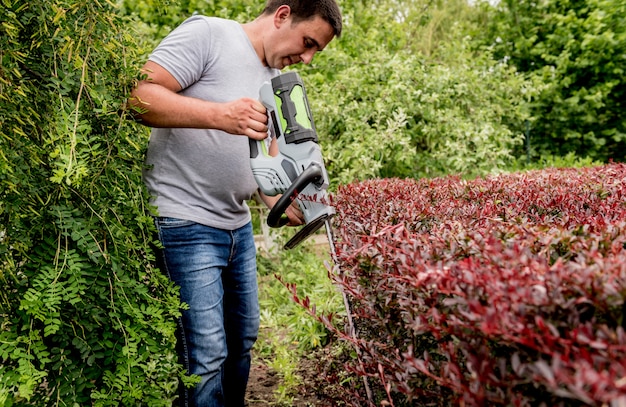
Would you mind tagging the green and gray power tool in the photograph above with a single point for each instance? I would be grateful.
(297, 169)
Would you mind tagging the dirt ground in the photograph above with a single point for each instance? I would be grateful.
(263, 381)
(315, 390)
(261, 385)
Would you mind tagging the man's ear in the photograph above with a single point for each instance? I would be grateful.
(281, 15)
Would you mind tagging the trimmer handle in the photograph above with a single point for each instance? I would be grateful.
(310, 175)
(292, 132)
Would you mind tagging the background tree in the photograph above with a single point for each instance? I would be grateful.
(576, 49)
(158, 17)
(401, 93)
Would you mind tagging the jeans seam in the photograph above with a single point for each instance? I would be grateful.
(179, 323)
(233, 245)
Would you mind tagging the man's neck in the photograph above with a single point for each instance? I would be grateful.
(255, 30)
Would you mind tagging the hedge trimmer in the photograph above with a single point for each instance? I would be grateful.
(295, 168)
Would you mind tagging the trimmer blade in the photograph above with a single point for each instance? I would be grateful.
(306, 231)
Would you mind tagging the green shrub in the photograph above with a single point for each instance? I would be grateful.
(408, 97)
(86, 317)
(576, 49)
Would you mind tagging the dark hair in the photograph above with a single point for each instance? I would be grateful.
(302, 10)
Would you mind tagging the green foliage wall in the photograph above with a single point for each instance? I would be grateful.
(422, 87)
(85, 316)
(577, 49)
(402, 94)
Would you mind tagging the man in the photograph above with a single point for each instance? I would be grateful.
(200, 95)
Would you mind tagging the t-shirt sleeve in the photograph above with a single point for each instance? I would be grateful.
(185, 51)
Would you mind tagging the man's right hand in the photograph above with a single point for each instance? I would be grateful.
(247, 117)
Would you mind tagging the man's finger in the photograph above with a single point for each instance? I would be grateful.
(256, 135)
(258, 106)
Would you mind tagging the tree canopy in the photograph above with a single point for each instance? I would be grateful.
(577, 51)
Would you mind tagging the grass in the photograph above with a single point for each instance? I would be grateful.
(287, 331)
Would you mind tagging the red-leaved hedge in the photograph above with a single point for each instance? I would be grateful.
(505, 290)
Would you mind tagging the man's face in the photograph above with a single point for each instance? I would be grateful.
(292, 43)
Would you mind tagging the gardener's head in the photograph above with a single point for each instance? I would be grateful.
(295, 30)
(302, 10)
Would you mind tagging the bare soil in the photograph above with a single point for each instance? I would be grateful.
(263, 382)
(261, 385)
(315, 390)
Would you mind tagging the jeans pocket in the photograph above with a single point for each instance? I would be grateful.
(167, 223)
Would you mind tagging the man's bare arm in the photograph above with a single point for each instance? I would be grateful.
(158, 104)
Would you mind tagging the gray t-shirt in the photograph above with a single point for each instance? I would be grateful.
(204, 175)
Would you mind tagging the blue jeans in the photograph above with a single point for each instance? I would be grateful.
(216, 272)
